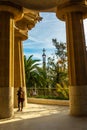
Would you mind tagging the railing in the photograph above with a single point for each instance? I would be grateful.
(47, 93)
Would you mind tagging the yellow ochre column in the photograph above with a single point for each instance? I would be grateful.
(23, 73)
(73, 14)
(22, 26)
(7, 16)
(19, 70)
(77, 64)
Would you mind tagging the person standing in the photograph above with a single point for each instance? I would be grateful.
(20, 94)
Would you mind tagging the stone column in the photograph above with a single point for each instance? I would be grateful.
(28, 21)
(23, 73)
(73, 13)
(6, 64)
(19, 70)
(7, 16)
(77, 64)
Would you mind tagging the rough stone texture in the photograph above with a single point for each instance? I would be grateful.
(6, 102)
(78, 100)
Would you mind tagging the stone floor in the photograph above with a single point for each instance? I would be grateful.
(44, 117)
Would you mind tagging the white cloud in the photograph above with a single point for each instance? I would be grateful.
(41, 36)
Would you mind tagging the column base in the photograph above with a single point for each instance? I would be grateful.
(25, 102)
(6, 102)
(78, 100)
(15, 97)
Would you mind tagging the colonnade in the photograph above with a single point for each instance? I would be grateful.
(13, 31)
(19, 72)
(14, 26)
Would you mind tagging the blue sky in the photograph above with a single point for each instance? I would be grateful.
(42, 34)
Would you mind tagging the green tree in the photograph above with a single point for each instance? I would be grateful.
(31, 67)
(61, 53)
(57, 70)
(35, 75)
(43, 82)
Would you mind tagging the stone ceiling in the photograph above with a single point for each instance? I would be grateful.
(42, 5)
(36, 4)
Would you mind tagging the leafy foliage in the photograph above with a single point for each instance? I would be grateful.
(63, 91)
(54, 76)
(57, 70)
(35, 75)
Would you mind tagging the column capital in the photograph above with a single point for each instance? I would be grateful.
(68, 6)
(14, 9)
(21, 34)
(29, 20)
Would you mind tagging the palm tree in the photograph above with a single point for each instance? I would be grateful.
(35, 75)
(31, 67)
(42, 77)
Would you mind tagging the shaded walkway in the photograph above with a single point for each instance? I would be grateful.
(44, 117)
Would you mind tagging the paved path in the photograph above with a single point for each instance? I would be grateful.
(44, 117)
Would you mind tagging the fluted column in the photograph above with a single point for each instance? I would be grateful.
(23, 73)
(6, 64)
(19, 70)
(77, 64)
(7, 59)
(28, 21)
(73, 13)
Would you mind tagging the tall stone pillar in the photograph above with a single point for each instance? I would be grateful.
(72, 13)
(6, 64)
(77, 64)
(28, 21)
(7, 15)
(19, 71)
(23, 74)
